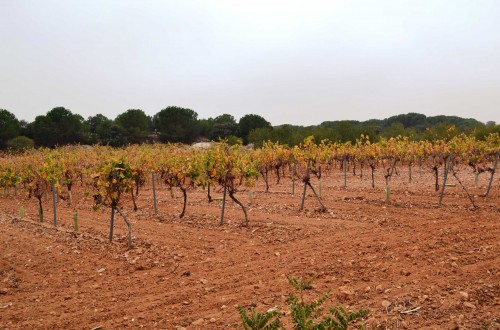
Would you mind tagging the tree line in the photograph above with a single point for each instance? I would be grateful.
(60, 126)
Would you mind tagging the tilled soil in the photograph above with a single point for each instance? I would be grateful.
(410, 254)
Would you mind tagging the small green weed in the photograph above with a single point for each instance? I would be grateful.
(304, 315)
(260, 321)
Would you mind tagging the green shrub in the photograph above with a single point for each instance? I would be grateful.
(260, 321)
(20, 143)
(305, 315)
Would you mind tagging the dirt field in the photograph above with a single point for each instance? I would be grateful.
(192, 273)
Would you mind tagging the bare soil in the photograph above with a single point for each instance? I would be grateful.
(191, 273)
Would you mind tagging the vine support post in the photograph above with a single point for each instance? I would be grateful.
(492, 174)
(231, 195)
(344, 166)
(465, 189)
(445, 175)
(111, 223)
(266, 178)
(184, 195)
(70, 199)
(322, 207)
(129, 226)
(54, 202)
(153, 179)
(40, 210)
(75, 220)
(223, 200)
(305, 184)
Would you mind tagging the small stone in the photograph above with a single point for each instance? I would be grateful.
(199, 321)
(277, 254)
(213, 320)
(268, 301)
(469, 305)
(346, 292)
(368, 289)
(223, 307)
(385, 303)
(4, 291)
(379, 288)
(101, 270)
(186, 273)
(454, 264)
(204, 281)
(464, 295)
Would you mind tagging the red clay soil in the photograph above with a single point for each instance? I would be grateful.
(442, 261)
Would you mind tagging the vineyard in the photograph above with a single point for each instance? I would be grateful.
(167, 236)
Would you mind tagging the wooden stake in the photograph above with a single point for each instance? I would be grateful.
(446, 167)
(470, 197)
(154, 192)
(75, 220)
(231, 194)
(129, 228)
(387, 193)
(305, 184)
(492, 173)
(111, 223)
(344, 166)
(223, 200)
(54, 202)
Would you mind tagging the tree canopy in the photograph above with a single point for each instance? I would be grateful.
(59, 127)
(175, 124)
(105, 131)
(249, 122)
(9, 127)
(136, 124)
(224, 126)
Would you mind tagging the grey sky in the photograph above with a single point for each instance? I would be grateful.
(296, 62)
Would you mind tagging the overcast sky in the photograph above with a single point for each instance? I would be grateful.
(296, 62)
